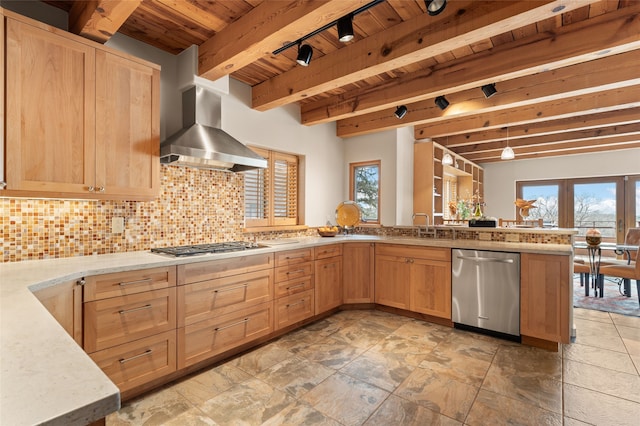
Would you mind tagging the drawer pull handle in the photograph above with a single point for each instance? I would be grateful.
(145, 353)
(244, 321)
(126, 311)
(295, 257)
(295, 286)
(245, 285)
(146, 280)
(289, 305)
(295, 272)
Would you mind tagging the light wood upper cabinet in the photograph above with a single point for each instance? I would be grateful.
(127, 126)
(50, 120)
(82, 120)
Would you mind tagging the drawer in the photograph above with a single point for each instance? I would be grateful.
(414, 252)
(294, 308)
(286, 273)
(138, 362)
(122, 283)
(204, 300)
(210, 270)
(118, 320)
(205, 339)
(328, 251)
(287, 288)
(294, 257)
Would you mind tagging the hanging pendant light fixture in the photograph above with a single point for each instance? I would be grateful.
(507, 152)
(447, 159)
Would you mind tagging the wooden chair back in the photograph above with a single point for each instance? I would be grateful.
(520, 222)
(632, 238)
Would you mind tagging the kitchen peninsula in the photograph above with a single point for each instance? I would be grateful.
(41, 362)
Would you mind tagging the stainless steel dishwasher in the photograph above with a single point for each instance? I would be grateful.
(485, 290)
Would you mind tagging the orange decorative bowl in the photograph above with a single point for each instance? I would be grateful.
(593, 237)
(328, 233)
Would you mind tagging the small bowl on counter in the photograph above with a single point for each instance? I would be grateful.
(328, 231)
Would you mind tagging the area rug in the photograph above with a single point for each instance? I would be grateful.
(613, 300)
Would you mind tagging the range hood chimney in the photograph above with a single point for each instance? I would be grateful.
(201, 142)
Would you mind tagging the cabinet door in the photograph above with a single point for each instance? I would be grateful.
(357, 272)
(127, 127)
(50, 121)
(431, 287)
(64, 303)
(328, 284)
(545, 295)
(392, 281)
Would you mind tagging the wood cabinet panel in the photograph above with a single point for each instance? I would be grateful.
(292, 257)
(431, 288)
(64, 302)
(328, 284)
(136, 363)
(207, 299)
(416, 252)
(205, 339)
(287, 288)
(545, 292)
(50, 116)
(292, 309)
(294, 271)
(130, 282)
(118, 320)
(127, 127)
(209, 270)
(392, 279)
(358, 273)
(328, 251)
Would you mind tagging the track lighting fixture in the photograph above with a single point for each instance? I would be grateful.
(401, 111)
(447, 159)
(434, 7)
(345, 28)
(507, 152)
(489, 90)
(442, 103)
(305, 52)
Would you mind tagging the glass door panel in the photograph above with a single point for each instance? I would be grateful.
(547, 202)
(595, 205)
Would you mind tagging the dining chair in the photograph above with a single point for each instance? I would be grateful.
(631, 238)
(521, 222)
(626, 272)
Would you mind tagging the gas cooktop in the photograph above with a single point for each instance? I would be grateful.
(196, 249)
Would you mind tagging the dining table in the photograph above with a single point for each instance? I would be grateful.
(595, 258)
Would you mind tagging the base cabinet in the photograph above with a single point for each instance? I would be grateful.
(64, 303)
(545, 292)
(358, 273)
(328, 278)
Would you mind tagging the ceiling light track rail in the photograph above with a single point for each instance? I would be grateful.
(327, 26)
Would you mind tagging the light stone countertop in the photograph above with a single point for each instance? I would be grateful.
(46, 378)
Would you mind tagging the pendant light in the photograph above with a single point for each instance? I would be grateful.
(447, 159)
(507, 152)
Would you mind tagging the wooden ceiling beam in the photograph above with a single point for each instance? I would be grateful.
(622, 142)
(406, 43)
(265, 28)
(567, 46)
(577, 123)
(99, 20)
(611, 100)
(574, 80)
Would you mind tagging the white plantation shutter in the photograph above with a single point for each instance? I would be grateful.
(285, 189)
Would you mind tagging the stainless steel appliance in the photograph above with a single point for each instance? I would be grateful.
(485, 289)
(192, 250)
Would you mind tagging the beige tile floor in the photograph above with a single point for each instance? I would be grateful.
(375, 368)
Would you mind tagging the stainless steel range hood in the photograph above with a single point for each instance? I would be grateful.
(201, 142)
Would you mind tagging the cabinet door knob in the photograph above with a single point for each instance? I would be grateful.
(81, 281)
(101, 189)
(3, 185)
(91, 189)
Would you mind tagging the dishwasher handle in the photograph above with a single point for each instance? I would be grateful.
(486, 259)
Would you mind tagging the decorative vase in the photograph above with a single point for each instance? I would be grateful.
(593, 237)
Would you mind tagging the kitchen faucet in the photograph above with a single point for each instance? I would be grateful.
(426, 222)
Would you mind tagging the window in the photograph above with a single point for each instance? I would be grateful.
(364, 189)
(271, 194)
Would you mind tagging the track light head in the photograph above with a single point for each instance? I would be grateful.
(345, 28)
(489, 90)
(442, 103)
(434, 7)
(305, 52)
(401, 111)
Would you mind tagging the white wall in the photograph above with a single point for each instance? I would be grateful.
(500, 177)
(404, 184)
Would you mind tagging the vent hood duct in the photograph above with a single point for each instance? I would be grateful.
(202, 143)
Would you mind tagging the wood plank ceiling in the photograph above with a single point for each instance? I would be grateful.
(567, 72)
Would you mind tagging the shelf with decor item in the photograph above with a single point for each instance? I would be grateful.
(436, 185)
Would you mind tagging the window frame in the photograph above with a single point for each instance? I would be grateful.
(352, 170)
(270, 221)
